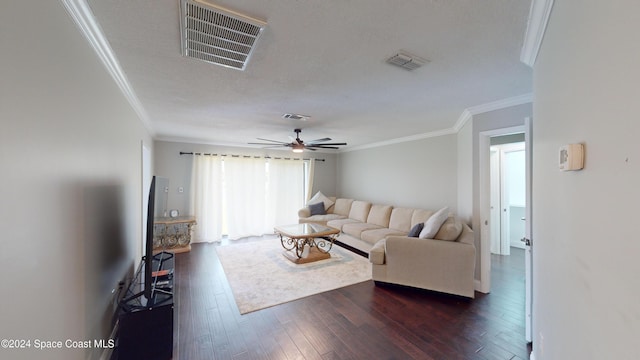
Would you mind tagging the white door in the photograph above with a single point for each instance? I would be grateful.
(494, 223)
(513, 158)
(528, 254)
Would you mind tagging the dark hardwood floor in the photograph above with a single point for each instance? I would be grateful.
(363, 321)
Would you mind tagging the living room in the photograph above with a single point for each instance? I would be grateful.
(67, 129)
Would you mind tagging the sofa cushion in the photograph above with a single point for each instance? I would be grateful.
(376, 254)
(375, 235)
(342, 206)
(450, 230)
(415, 231)
(432, 225)
(317, 209)
(355, 229)
(379, 215)
(420, 216)
(320, 197)
(359, 210)
(401, 219)
(339, 223)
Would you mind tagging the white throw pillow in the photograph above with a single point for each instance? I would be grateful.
(432, 225)
(319, 197)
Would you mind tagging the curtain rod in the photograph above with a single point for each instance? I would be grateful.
(246, 156)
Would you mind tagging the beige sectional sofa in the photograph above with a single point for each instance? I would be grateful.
(445, 263)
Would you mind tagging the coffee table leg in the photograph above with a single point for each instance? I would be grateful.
(288, 243)
(323, 245)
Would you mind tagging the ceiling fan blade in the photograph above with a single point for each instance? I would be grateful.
(310, 147)
(318, 141)
(339, 144)
(282, 144)
(273, 141)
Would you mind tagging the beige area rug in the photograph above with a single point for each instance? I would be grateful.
(260, 276)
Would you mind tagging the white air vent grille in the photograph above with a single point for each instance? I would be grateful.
(406, 61)
(296, 117)
(216, 35)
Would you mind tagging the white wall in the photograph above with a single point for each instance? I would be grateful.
(417, 174)
(177, 168)
(69, 144)
(585, 235)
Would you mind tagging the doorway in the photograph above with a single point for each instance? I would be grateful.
(484, 146)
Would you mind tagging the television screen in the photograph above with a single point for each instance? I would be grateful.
(148, 253)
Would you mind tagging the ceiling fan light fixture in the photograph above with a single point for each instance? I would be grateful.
(298, 148)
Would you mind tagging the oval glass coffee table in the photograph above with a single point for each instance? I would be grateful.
(307, 242)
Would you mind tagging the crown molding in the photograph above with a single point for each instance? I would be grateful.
(462, 120)
(401, 140)
(538, 19)
(83, 17)
(466, 115)
(501, 104)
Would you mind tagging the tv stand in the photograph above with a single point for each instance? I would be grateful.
(145, 329)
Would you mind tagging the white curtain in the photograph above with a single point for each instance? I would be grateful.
(310, 173)
(206, 197)
(239, 196)
(245, 182)
(285, 191)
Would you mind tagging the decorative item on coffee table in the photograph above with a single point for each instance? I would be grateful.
(306, 243)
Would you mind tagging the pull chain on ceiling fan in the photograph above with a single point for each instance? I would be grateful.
(297, 145)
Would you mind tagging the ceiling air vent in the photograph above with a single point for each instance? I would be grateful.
(216, 35)
(296, 117)
(407, 61)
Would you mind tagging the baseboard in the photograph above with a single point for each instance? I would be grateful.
(478, 286)
(107, 353)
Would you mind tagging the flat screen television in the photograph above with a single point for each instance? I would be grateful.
(148, 295)
(148, 252)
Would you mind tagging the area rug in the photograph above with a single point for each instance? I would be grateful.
(260, 276)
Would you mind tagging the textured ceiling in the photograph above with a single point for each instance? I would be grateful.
(325, 59)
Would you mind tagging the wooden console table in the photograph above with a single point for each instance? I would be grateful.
(172, 234)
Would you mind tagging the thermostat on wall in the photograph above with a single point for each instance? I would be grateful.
(571, 157)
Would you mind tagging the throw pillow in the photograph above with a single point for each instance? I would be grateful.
(450, 230)
(415, 230)
(317, 209)
(319, 197)
(432, 225)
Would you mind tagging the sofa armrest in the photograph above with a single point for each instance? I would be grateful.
(304, 213)
(408, 256)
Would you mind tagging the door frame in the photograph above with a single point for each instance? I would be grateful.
(484, 145)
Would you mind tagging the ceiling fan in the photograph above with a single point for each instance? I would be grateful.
(298, 145)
